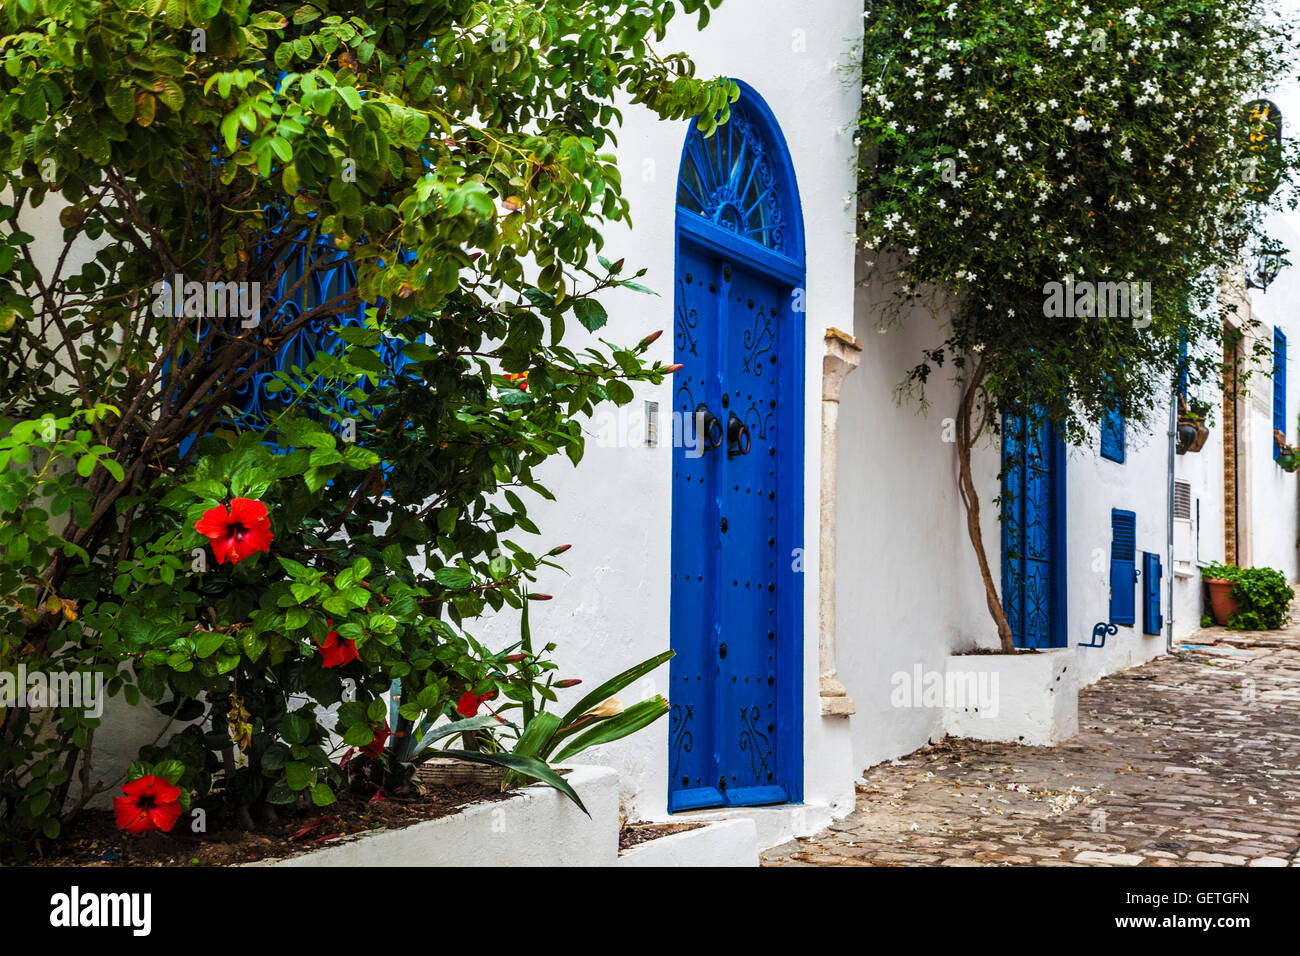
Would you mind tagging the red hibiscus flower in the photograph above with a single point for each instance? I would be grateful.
(520, 377)
(470, 702)
(236, 534)
(149, 804)
(336, 651)
(376, 747)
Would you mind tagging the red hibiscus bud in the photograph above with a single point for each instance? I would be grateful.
(673, 368)
(649, 339)
(570, 682)
(539, 597)
(560, 550)
(516, 658)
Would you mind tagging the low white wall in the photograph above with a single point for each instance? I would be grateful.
(538, 826)
(728, 843)
(1030, 699)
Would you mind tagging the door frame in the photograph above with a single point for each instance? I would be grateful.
(789, 272)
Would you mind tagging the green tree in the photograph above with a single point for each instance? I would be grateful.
(1010, 146)
(456, 154)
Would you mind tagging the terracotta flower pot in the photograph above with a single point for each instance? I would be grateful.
(1222, 603)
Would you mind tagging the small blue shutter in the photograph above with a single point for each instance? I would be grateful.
(1112, 436)
(1123, 566)
(1152, 620)
(1279, 386)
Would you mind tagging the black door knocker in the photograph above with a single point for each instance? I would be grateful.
(708, 428)
(737, 437)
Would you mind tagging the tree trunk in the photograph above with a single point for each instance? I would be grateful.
(970, 498)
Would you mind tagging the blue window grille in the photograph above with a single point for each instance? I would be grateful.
(730, 179)
(332, 275)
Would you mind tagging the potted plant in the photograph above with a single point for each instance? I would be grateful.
(1248, 599)
(1193, 427)
(1220, 579)
(1288, 458)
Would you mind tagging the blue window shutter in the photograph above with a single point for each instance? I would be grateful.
(1112, 436)
(1152, 620)
(1279, 386)
(1123, 566)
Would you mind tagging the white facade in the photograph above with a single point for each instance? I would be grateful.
(909, 591)
(612, 609)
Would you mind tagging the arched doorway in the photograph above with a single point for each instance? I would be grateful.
(737, 512)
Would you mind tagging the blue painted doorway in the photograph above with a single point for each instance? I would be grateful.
(735, 736)
(1033, 531)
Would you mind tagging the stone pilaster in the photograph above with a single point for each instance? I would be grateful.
(843, 353)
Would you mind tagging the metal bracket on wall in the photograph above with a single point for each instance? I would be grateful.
(1100, 630)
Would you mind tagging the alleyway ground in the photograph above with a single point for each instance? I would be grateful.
(1192, 759)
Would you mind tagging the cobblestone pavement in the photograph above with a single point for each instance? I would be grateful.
(1192, 759)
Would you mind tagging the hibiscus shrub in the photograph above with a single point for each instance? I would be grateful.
(263, 558)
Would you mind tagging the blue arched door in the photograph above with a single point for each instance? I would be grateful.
(737, 511)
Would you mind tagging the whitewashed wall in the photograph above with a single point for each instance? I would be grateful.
(909, 586)
(1268, 518)
(612, 608)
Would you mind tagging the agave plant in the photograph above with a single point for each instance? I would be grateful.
(542, 737)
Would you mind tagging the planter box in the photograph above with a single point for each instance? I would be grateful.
(724, 843)
(537, 826)
(1013, 698)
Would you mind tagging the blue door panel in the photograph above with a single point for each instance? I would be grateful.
(747, 608)
(1123, 567)
(1152, 620)
(694, 674)
(1033, 531)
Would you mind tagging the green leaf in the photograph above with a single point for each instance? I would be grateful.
(536, 738)
(207, 644)
(350, 96)
(453, 577)
(359, 735)
(619, 392)
(295, 728)
(590, 313)
(298, 775)
(455, 727)
(170, 770)
(322, 795)
(629, 721)
(121, 103)
(614, 685)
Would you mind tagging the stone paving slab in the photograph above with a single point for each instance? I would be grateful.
(1192, 759)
